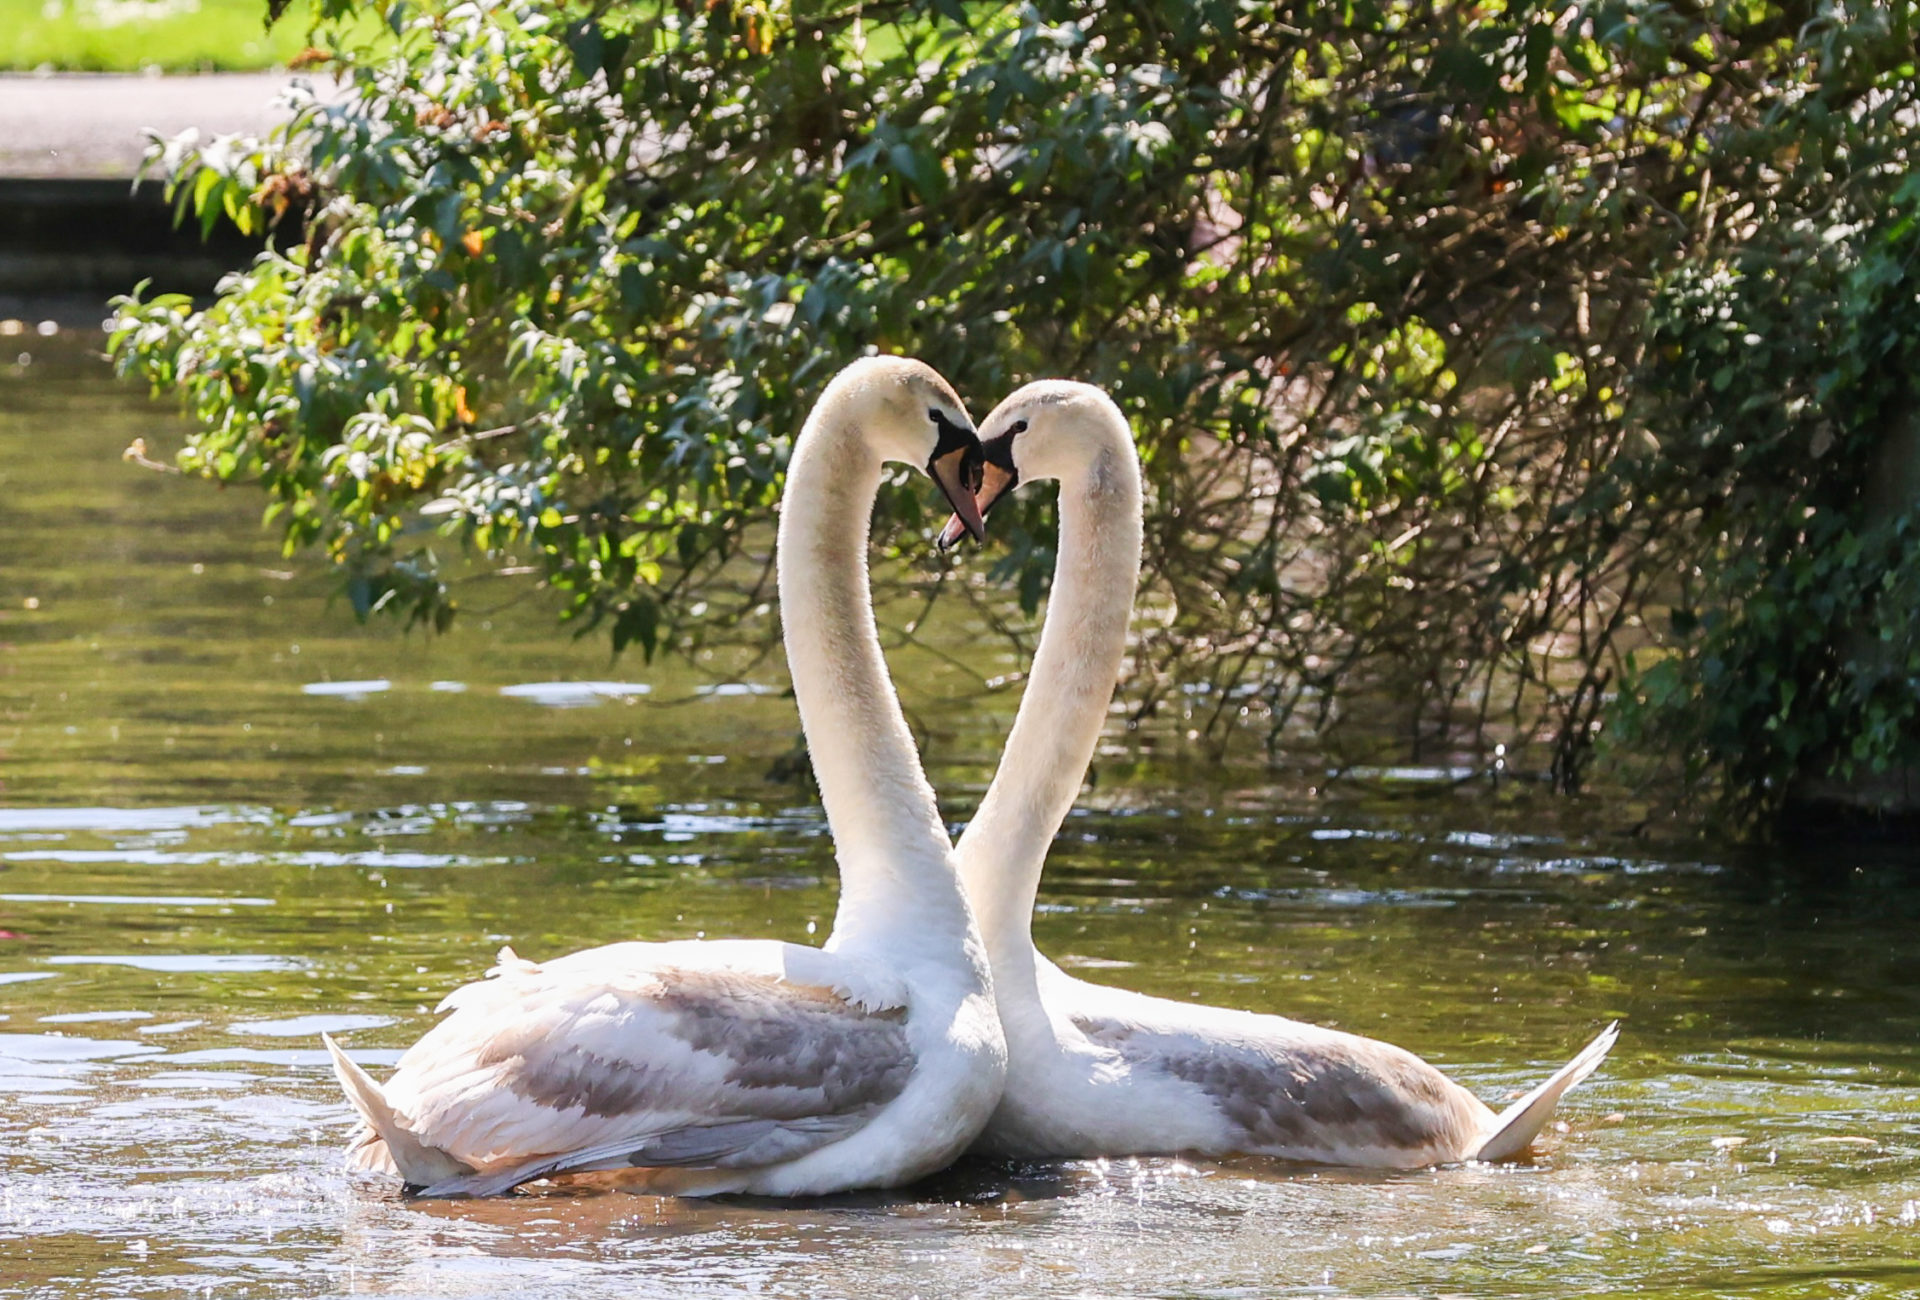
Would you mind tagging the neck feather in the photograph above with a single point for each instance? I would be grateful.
(897, 880)
(1062, 711)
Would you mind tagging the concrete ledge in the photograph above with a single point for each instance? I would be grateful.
(73, 225)
(96, 238)
(82, 125)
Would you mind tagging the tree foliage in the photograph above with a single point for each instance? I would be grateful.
(1483, 359)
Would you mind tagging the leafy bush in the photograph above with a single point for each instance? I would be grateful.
(1421, 316)
(1783, 365)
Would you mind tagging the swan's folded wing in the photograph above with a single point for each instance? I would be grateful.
(1301, 1092)
(539, 1071)
(1282, 1087)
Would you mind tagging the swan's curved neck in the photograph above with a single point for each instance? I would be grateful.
(1068, 691)
(898, 888)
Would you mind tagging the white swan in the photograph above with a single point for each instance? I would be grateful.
(697, 1068)
(1101, 1071)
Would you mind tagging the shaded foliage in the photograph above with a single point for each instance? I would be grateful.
(1780, 371)
(1480, 358)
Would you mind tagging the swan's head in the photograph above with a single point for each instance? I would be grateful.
(907, 412)
(1051, 429)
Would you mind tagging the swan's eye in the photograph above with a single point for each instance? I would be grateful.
(952, 436)
(1019, 426)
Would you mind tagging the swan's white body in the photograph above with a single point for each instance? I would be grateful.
(1101, 1071)
(698, 1068)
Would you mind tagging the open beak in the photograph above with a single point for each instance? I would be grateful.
(958, 472)
(997, 478)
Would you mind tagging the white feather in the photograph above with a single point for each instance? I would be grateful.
(747, 1066)
(1099, 1071)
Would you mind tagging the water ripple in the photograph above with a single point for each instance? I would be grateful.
(149, 900)
(307, 1026)
(184, 817)
(348, 690)
(574, 695)
(197, 963)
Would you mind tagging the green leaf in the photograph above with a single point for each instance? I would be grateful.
(638, 621)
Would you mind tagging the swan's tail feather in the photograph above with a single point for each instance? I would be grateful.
(388, 1144)
(1515, 1128)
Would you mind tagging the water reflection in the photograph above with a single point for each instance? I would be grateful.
(1739, 1132)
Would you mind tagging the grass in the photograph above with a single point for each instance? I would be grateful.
(188, 36)
(136, 35)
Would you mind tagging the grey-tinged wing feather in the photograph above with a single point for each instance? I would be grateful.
(784, 1051)
(741, 1144)
(601, 1064)
(1312, 1094)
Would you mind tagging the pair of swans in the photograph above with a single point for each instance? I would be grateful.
(928, 1024)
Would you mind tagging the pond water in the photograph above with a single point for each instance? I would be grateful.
(231, 819)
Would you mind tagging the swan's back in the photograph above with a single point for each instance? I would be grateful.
(1297, 1091)
(621, 1058)
(1150, 1075)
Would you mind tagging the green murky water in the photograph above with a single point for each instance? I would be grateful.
(230, 819)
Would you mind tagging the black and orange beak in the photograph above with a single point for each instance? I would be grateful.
(955, 466)
(997, 478)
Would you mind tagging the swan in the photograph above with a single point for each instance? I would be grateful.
(1098, 1071)
(699, 1068)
